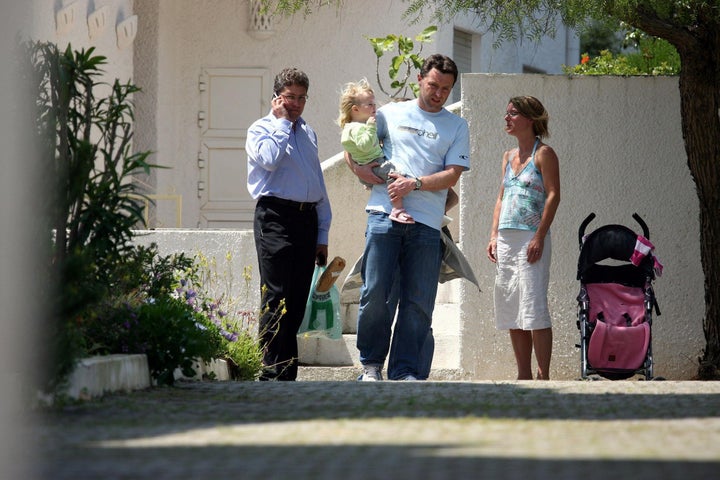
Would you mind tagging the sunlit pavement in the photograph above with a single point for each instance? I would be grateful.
(345, 430)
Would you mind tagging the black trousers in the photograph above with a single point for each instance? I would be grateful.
(286, 242)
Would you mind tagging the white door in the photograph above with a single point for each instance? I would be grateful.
(231, 99)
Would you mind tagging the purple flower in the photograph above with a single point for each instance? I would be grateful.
(230, 336)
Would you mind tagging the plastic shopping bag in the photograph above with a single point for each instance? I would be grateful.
(322, 311)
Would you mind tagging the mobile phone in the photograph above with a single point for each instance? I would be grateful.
(321, 260)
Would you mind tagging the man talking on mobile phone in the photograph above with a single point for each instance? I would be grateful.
(292, 219)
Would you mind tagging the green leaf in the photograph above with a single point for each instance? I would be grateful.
(426, 35)
(405, 45)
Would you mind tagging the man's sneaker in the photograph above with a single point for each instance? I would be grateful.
(409, 378)
(371, 373)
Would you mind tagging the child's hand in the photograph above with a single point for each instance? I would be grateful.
(371, 120)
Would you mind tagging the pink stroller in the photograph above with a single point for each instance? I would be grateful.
(616, 269)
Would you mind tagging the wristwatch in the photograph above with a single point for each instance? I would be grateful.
(418, 184)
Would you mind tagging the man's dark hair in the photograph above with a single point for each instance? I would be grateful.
(442, 63)
(290, 76)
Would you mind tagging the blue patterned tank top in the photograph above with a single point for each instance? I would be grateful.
(523, 197)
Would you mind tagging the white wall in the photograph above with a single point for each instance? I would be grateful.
(621, 151)
(46, 28)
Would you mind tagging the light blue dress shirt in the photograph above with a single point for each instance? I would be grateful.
(283, 162)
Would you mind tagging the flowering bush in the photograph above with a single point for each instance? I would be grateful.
(163, 308)
(214, 295)
(655, 57)
(604, 64)
(172, 336)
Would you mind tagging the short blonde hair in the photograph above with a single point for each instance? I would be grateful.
(348, 98)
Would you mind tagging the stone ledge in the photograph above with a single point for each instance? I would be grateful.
(96, 376)
(218, 369)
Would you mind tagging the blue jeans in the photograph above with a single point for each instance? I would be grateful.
(409, 254)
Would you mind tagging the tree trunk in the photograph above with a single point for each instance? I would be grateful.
(699, 47)
(700, 103)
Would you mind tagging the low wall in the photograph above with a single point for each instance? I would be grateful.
(95, 376)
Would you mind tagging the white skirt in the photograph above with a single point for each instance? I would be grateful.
(521, 287)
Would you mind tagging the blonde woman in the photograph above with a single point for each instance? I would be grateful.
(520, 242)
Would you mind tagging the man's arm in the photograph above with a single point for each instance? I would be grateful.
(437, 181)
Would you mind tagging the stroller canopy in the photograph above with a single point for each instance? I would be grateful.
(612, 242)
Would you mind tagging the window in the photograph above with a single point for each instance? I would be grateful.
(462, 55)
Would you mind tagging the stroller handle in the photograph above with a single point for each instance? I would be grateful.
(591, 217)
(643, 225)
(583, 226)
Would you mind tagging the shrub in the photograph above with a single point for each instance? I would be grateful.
(244, 356)
(654, 56)
(172, 335)
(220, 300)
(92, 204)
(163, 306)
(604, 64)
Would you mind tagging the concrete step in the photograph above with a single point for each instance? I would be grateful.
(308, 373)
(344, 352)
(447, 298)
(446, 330)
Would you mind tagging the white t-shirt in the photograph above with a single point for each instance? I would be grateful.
(420, 143)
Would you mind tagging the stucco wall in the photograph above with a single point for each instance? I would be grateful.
(621, 151)
(46, 28)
